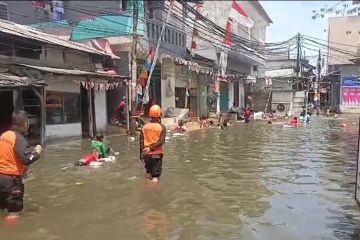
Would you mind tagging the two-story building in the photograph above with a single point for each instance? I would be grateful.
(63, 83)
(242, 60)
(343, 45)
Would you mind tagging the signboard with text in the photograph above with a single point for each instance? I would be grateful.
(351, 96)
(350, 82)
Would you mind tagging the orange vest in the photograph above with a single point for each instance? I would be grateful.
(152, 132)
(10, 164)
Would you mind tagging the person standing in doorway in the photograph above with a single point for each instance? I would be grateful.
(15, 157)
(122, 110)
(152, 139)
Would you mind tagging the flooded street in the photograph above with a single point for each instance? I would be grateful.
(253, 181)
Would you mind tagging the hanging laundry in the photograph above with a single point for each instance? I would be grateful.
(58, 9)
(143, 77)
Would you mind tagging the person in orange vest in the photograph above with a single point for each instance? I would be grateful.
(15, 157)
(152, 139)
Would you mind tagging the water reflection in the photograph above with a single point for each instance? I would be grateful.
(253, 181)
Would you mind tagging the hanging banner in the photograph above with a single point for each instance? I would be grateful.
(351, 96)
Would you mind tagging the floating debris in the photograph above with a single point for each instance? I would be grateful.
(64, 168)
(187, 161)
(131, 178)
(79, 183)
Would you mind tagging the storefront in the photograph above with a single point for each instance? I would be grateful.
(350, 94)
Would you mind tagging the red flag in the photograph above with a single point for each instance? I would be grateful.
(239, 15)
(229, 32)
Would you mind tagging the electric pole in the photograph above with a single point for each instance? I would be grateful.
(317, 85)
(298, 63)
(131, 101)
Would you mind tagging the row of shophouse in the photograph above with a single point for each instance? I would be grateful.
(72, 88)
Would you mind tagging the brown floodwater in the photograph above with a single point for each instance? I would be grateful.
(254, 181)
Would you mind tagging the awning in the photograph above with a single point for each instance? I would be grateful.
(102, 44)
(8, 80)
(75, 72)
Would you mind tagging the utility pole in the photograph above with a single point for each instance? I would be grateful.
(146, 91)
(317, 85)
(298, 62)
(132, 104)
(298, 57)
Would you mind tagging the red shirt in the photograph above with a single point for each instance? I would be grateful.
(90, 158)
(122, 104)
(247, 114)
(293, 121)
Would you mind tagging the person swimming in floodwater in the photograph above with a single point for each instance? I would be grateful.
(293, 121)
(223, 121)
(247, 115)
(98, 150)
(180, 127)
(203, 123)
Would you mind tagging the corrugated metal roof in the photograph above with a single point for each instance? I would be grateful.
(34, 34)
(70, 71)
(11, 81)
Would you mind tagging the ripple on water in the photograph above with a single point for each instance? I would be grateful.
(249, 182)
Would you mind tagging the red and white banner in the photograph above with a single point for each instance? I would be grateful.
(239, 15)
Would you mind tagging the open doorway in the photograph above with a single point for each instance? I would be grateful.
(7, 106)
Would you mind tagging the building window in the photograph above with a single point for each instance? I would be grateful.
(124, 5)
(152, 30)
(148, 29)
(172, 38)
(176, 38)
(180, 39)
(168, 36)
(62, 108)
(157, 32)
(3, 11)
(184, 40)
(25, 50)
(165, 36)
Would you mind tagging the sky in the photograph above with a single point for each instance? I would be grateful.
(292, 17)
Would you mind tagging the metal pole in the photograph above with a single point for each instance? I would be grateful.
(146, 92)
(132, 125)
(317, 86)
(357, 169)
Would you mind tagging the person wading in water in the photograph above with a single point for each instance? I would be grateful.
(15, 157)
(152, 139)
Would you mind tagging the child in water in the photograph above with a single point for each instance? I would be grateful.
(180, 127)
(98, 150)
(293, 121)
(203, 122)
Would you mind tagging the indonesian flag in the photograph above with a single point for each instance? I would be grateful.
(229, 32)
(239, 15)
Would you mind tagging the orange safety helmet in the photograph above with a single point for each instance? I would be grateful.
(155, 111)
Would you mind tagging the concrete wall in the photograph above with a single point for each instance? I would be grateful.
(100, 110)
(344, 30)
(168, 76)
(63, 130)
